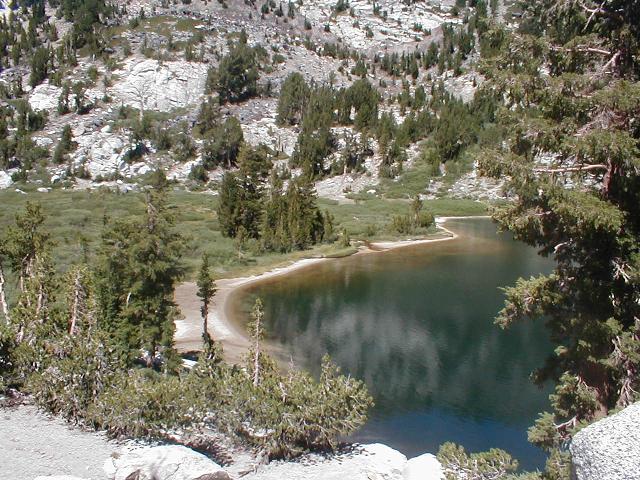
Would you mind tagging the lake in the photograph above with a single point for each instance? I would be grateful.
(416, 324)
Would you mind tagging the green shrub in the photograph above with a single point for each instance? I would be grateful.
(78, 374)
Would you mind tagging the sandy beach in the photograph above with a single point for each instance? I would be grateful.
(188, 336)
(235, 342)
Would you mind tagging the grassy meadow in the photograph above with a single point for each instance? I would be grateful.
(75, 221)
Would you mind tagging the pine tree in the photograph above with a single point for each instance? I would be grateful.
(293, 99)
(229, 205)
(32, 320)
(237, 75)
(39, 66)
(206, 291)
(256, 332)
(241, 196)
(222, 144)
(316, 141)
(140, 265)
(580, 206)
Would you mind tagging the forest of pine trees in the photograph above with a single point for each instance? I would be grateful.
(556, 116)
(95, 344)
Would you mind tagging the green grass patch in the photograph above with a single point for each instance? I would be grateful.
(75, 222)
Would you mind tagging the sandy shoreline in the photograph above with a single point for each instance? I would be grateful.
(188, 336)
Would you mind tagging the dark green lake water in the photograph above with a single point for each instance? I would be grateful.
(416, 324)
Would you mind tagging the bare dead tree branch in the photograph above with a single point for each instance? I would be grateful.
(610, 63)
(3, 298)
(601, 11)
(256, 353)
(582, 168)
(77, 288)
(581, 49)
(593, 14)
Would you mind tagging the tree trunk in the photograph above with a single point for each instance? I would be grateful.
(76, 305)
(256, 360)
(3, 298)
(205, 323)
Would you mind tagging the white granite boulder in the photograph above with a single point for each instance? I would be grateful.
(366, 462)
(44, 97)
(424, 467)
(166, 462)
(102, 153)
(5, 180)
(610, 448)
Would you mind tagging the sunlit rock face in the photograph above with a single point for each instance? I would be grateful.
(151, 85)
(609, 448)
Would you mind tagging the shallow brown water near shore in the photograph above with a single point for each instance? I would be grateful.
(417, 325)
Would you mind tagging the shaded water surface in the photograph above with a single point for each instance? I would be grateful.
(417, 325)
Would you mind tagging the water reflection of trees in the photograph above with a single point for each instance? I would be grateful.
(418, 330)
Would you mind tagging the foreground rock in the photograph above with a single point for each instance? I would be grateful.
(167, 462)
(609, 449)
(365, 462)
(424, 467)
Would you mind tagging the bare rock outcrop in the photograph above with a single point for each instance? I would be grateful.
(609, 449)
(102, 153)
(58, 477)
(150, 85)
(44, 97)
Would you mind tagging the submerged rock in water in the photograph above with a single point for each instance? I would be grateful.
(163, 463)
(610, 448)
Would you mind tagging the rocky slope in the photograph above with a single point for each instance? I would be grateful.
(149, 72)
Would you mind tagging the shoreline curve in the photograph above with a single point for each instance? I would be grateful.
(222, 328)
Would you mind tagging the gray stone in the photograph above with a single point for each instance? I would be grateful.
(44, 97)
(609, 449)
(167, 462)
(366, 462)
(424, 467)
(58, 477)
(5, 180)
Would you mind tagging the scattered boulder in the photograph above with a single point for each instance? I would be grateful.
(44, 97)
(424, 467)
(609, 449)
(5, 180)
(166, 462)
(366, 462)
